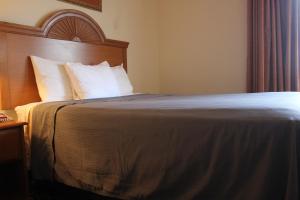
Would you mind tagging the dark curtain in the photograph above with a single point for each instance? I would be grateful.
(273, 54)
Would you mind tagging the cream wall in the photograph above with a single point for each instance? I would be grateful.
(202, 46)
(135, 21)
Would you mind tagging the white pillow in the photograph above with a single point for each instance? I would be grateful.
(52, 80)
(92, 81)
(124, 84)
(104, 63)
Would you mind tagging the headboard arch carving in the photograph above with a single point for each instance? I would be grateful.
(68, 24)
(74, 26)
(66, 35)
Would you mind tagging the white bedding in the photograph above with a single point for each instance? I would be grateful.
(24, 114)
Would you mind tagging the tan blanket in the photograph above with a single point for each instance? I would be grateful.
(235, 147)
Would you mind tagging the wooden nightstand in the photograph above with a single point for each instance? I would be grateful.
(13, 173)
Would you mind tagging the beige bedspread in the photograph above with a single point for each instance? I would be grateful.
(235, 147)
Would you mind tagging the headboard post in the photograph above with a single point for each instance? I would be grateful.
(66, 35)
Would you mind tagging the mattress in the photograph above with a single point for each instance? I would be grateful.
(238, 146)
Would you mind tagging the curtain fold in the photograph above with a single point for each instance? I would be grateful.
(273, 45)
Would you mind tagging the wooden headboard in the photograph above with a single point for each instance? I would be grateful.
(67, 35)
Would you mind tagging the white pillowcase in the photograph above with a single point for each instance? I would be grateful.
(92, 81)
(104, 63)
(52, 80)
(124, 84)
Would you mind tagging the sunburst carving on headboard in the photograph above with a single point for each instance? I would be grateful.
(69, 25)
(73, 26)
(74, 29)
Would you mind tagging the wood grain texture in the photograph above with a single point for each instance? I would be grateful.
(11, 124)
(4, 82)
(66, 35)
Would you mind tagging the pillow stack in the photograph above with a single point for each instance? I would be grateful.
(59, 81)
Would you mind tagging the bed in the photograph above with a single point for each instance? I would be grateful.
(143, 146)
